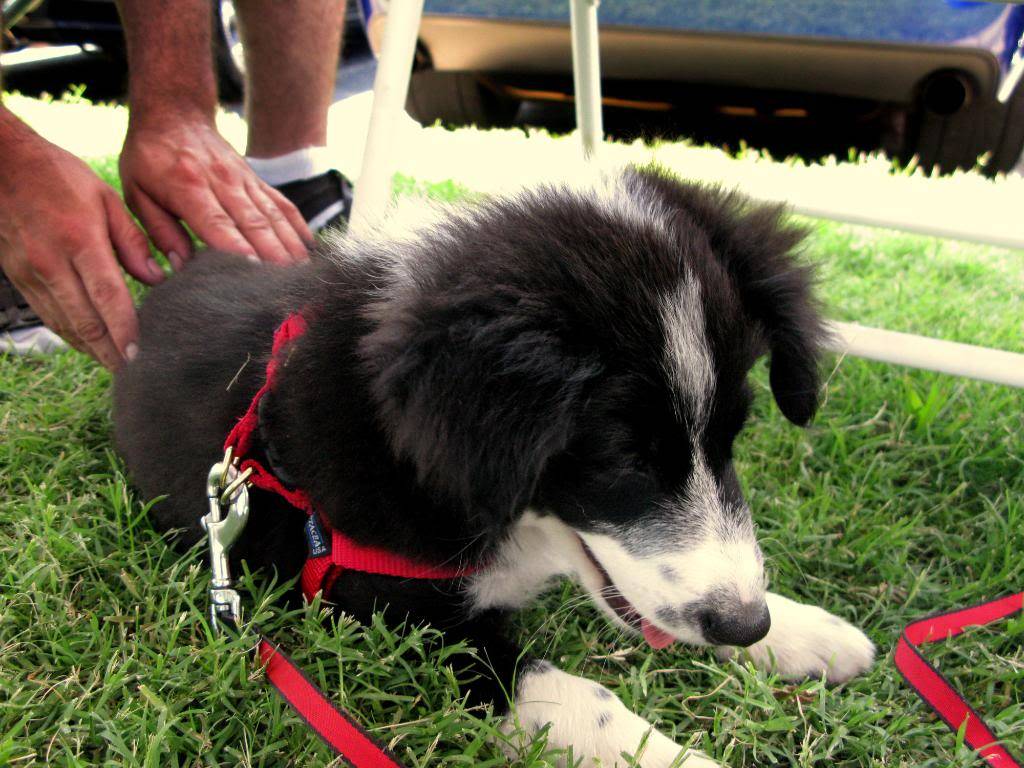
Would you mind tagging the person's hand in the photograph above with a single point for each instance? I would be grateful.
(60, 228)
(177, 170)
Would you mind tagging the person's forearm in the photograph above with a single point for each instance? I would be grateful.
(16, 139)
(169, 58)
(19, 145)
(12, 135)
(11, 128)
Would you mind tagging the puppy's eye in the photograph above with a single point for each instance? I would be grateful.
(643, 458)
(653, 449)
(661, 455)
(653, 446)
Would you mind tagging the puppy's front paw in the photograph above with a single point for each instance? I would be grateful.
(806, 641)
(594, 723)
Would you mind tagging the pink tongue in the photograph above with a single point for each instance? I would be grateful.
(654, 636)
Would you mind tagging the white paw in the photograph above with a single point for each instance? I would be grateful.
(591, 721)
(806, 641)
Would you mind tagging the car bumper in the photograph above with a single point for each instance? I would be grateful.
(878, 71)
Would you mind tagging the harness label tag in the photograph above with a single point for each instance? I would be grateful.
(319, 545)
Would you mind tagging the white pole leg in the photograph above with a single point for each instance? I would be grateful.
(1013, 77)
(586, 73)
(973, 227)
(390, 87)
(950, 357)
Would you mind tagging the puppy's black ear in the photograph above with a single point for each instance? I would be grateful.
(776, 290)
(756, 246)
(478, 389)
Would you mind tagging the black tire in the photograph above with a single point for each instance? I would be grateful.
(227, 57)
(457, 98)
(982, 128)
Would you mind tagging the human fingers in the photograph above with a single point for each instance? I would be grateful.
(291, 213)
(294, 242)
(215, 226)
(64, 285)
(101, 277)
(255, 225)
(130, 242)
(163, 228)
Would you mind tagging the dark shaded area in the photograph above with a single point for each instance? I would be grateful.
(783, 124)
(104, 77)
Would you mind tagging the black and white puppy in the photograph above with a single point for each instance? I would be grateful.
(549, 385)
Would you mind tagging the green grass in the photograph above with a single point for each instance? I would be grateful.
(905, 497)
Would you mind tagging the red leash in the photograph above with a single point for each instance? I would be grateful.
(339, 731)
(937, 692)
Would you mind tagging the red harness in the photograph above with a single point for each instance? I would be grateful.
(331, 553)
(334, 552)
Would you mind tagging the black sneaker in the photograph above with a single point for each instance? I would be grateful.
(324, 200)
(21, 330)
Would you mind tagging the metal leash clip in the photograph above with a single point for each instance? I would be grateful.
(227, 494)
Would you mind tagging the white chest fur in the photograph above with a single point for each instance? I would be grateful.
(539, 549)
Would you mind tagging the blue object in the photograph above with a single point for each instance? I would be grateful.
(993, 26)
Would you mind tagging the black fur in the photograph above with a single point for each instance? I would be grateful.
(515, 360)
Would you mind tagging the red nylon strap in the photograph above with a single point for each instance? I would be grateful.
(937, 691)
(265, 480)
(333, 725)
(314, 575)
(241, 436)
(348, 554)
(319, 572)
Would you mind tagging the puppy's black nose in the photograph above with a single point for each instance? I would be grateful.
(739, 624)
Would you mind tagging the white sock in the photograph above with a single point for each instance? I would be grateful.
(301, 164)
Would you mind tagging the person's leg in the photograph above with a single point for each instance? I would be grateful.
(291, 61)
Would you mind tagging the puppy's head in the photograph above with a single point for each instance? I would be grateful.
(585, 354)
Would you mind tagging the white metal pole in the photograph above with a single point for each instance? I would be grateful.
(586, 73)
(390, 87)
(1013, 76)
(950, 357)
(971, 227)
